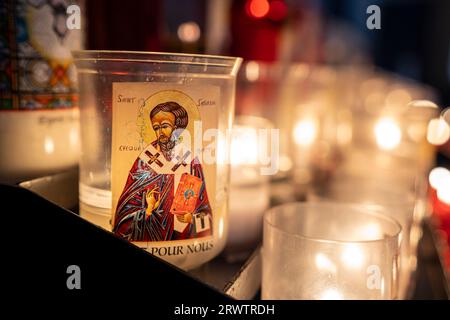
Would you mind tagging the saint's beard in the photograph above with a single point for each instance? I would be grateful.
(166, 147)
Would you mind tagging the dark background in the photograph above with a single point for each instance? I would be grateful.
(414, 39)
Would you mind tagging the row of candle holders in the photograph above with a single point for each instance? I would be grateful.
(356, 148)
(349, 148)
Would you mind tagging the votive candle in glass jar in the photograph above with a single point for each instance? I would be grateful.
(329, 251)
(395, 201)
(250, 184)
(155, 148)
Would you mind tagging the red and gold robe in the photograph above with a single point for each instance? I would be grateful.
(152, 170)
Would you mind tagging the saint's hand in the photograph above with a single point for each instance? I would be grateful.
(152, 198)
(185, 217)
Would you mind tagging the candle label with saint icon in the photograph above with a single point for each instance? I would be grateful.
(163, 193)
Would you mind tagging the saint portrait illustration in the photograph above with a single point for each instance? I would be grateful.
(164, 197)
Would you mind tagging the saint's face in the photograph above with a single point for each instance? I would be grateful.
(163, 124)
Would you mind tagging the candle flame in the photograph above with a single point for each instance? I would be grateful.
(387, 133)
(252, 71)
(305, 132)
(438, 176)
(371, 231)
(352, 256)
(325, 264)
(244, 146)
(331, 294)
(189, 32)
(438, 131)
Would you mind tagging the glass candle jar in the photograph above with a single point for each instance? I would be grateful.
(248, 144)
(397, 202)
(155, 149)
(310, 113)
(39, 116)
(329, 251)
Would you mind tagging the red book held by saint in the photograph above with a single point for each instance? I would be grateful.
(186, 195)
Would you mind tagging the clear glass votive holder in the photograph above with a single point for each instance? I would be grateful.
(249, 188)
(396, 201)
(329, 251)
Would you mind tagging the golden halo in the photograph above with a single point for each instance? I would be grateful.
(145, 128)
